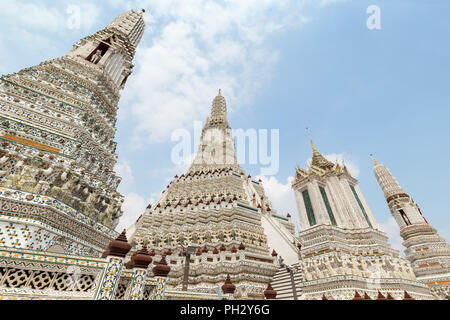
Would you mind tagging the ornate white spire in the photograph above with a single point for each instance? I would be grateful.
(219, 110)
(425, 249)
(70, 129)
(216, 205)
(216, 149)
(403, 208)
(112, 49)
(131, 24)
(386, 180)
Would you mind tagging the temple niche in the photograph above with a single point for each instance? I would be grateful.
(99, 51)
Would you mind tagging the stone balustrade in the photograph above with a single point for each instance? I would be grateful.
(35, 275)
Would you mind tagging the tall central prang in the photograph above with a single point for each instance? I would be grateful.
(225, 214)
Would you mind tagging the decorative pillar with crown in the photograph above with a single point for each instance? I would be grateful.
(426, 250)
(160, 271)
(139, 262)
(115, 255)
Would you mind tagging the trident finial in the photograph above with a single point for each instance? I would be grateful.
(310, 139)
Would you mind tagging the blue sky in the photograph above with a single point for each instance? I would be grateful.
(281, 65)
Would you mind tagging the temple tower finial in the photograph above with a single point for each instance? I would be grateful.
(219, 109)
(310, 139)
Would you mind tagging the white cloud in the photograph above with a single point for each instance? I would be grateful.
(133, 206)
(123, 170)
(330, 2)
(31, 15)
(392, 229)
(197, 47)
(34, 30)
(352, 167)
(50, 19)
(281, 195)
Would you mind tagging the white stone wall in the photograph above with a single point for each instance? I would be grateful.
(343, 203)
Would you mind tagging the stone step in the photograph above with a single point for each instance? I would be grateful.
(281, 282)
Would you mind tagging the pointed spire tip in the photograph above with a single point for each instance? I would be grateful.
(373, 159)
(310, 139)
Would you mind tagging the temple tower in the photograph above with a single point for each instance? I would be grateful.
(220, 211)
(428, 252)
(343, 249)
(57, 125)
(327, 194)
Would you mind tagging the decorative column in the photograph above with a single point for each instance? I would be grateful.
(139, 262)
(294, 287)
(160, 271)
(315, 203)
(115, 255)
(302, 215)
(219, 293)
(318, 204)
(187, 263)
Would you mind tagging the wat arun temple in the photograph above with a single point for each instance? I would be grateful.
(214, 234)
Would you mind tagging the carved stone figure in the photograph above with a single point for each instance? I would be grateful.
(41, 187)
(91, 201)
(68, 187)
(12, 180)
(27, 181)
(96, 57)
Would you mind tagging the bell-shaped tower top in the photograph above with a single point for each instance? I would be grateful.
(219, 109)
(131, 24)
(387, 181)
(112, 49)
(318, 160)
